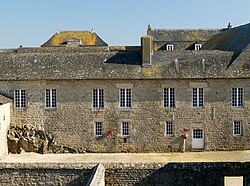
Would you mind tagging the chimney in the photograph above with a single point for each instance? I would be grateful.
(146, 49)
(229, 25)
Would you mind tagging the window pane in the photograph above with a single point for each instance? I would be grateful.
(122, 97)
(95, 103)
(237, 97)
(201, 104)
(128, 98)
(101, 98)
(125, 129)
(169, 97)
(237, 128)
(169, 128)
(195, 104)
(98, 128)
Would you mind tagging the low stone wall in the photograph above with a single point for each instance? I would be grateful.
(14, 174)
(175, 173)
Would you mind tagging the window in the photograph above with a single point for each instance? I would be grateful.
(50, 98)
(125, 129)
(198, 97)
(169, 97)
(169, 128)
(170, 47)
(237, 128)
(98, 98)
(197, 46)
(237, 97)
(197, 133)
(19, 97)
(98, 129)
(125, 98)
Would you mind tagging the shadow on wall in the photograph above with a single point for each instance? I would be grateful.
(196, 174)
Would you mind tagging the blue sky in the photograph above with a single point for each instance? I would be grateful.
(31, 23)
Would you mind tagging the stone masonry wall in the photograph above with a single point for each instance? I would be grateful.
(72, 122)
(175, 174)
(170, 174)
(13, 174)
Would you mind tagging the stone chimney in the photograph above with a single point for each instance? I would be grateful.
(146, 50)
(229, 25)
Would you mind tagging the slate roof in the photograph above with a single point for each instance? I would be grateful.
(182, 34)
(104, 62)
(87, 38)
(234, 39)
(118, 64)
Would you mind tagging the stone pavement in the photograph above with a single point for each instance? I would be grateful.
(214, 156)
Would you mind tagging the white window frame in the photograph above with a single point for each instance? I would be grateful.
(198, 101)
(238, 131)
(197, 47)
(98, 127)
(126, 99)
(169, 98)
(125, 129)
(169, 47)
(237, 98)
(20, 99)
(169, 128)
(52, 100)
(98, 98)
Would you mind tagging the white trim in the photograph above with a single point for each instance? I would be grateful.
(197, 47)
(169, 122)
(125, 98)
(169, 47)
(168, 100)
(95, 123)
(237, 97)
(50, 99)
(98, 98)
(19, 101)
(128, 123)
(240, 125)
(198, 98)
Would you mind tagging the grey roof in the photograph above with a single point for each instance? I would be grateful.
(118, 64)
(182, 34)
(234, 39)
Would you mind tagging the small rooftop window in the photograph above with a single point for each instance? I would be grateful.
(197, 46)
(169, 47)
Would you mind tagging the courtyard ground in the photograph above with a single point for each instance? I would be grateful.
(215, 156)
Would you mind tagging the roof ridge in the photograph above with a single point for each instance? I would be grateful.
(63, 31)
(188, 29)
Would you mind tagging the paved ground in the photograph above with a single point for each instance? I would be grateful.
(220, 156)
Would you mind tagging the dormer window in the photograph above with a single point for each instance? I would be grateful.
(197, 46)
(170, 47)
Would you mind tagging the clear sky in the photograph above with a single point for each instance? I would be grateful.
(32, 22)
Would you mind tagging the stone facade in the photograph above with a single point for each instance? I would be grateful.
(72, 122)
(73, 72)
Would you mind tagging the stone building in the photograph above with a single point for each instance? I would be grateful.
(134, 98)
